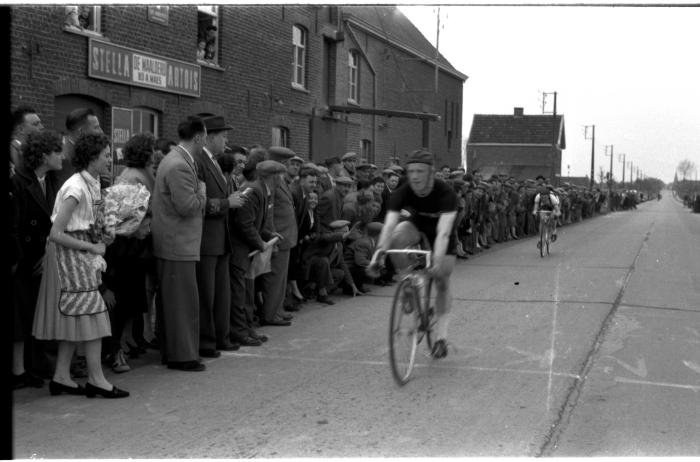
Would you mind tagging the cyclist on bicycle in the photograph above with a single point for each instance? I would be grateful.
(547, 200)
(429, 208)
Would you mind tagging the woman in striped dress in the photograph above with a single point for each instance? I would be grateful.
(70, 308)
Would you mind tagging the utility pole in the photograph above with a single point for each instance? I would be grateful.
(554, 131)
(437, 53)
(621, 155)
(612, 155)
(592, 152)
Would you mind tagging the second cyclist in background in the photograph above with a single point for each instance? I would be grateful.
(547, 200)
(429, 207)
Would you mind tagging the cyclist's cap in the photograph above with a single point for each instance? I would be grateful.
(269, 167)
(540, 176)
(420, 156)
(374, 228)
(349, 156)
(339, 224)
(344, 180)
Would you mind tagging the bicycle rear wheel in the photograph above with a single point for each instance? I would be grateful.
(403, 332)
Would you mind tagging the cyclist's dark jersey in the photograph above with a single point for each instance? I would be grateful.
(425, 211)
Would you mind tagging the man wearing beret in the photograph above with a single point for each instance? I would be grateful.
(274, 283)
(432, 205)
(212, 269)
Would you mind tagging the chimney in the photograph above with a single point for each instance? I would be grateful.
(518, 112)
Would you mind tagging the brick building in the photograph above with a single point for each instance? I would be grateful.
(522, 146)
(361, 78)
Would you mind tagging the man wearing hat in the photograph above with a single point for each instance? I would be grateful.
(433, 210)
(212, 269)
(293, 167)
(274, 283)
(363, 171)
(349, 160)
(330, 204)
(359, 254)
(252, 231)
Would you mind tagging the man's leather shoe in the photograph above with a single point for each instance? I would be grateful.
(209, 353)
(233, 346)
(189, 366)
(277, 322)
(325, 299)
(262, 337)
(250, 341)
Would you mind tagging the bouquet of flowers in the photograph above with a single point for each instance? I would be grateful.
(125, 207)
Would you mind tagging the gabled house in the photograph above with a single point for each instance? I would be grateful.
(518, 145)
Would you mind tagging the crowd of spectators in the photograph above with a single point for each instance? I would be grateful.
(233, 238)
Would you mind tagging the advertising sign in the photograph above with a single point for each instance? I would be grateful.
(120, 64)
(121, 132)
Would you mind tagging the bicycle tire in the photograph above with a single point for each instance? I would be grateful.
(403, 344)
(548, 239)
(428, 315)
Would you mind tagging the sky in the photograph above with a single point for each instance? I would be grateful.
(633, 72)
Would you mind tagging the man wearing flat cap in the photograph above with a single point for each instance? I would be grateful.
(330, 204)
(432, 205)
(253, 231)
(362, 171)
(212, 268)
(349, 160)
(274, 283)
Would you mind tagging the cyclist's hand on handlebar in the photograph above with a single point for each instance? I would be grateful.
(376, 264)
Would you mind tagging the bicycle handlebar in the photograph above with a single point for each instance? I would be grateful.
(427, 253)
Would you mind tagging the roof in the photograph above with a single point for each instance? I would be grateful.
(511, 129)
(389, 23)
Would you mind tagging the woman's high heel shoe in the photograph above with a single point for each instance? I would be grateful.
(91, 391)
(56, 388)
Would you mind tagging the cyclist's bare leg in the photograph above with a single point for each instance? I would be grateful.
(443, 295)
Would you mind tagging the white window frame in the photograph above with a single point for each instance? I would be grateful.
(211, 11)
(353, 76)
(96, 31)
(366, 150)
(135, 130)
(300, 39)
(280, 136)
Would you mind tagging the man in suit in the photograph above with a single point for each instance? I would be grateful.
(25, 120)
(330, 204)
(212, 269)
(274, 283)
(79, 121)
(306, 184)
(178, 202)
(252, 232)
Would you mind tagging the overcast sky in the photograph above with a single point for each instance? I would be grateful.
(634, 73)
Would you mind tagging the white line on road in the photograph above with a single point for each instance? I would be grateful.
(658, 384)
(553, 336)
(385, 364)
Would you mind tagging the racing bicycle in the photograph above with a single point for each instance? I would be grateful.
(546, 228)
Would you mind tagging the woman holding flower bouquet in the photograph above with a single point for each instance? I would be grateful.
(70, 308)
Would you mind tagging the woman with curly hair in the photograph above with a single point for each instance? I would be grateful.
(35, 185)
(129, 260)
(70, 308)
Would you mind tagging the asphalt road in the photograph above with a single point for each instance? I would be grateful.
(592, 351)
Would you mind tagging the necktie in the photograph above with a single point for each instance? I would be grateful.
(42, 183)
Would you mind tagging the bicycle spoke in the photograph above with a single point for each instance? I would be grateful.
(403, 333)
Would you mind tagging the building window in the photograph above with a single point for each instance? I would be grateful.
(366, 151)
(353, 76)
(127, 122)
(280, 136)
(83, 19)
(299, 59)
(208, 34)
(143, 120)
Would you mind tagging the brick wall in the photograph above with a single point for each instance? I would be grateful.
(252, 88)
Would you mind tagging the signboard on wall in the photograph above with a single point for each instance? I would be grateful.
(121, 132)
(116, 63)
(159, 14)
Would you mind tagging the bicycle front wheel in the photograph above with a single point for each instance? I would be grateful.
(542, 238)
(403, 332)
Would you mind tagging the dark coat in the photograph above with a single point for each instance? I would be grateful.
(215, 234)
(250, 224)
(330, 207)
(32, 216)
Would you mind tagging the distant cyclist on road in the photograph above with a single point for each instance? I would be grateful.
(429, 207)
(547, 200)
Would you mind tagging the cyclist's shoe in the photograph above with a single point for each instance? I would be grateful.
(439, 349)
(554, 238)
